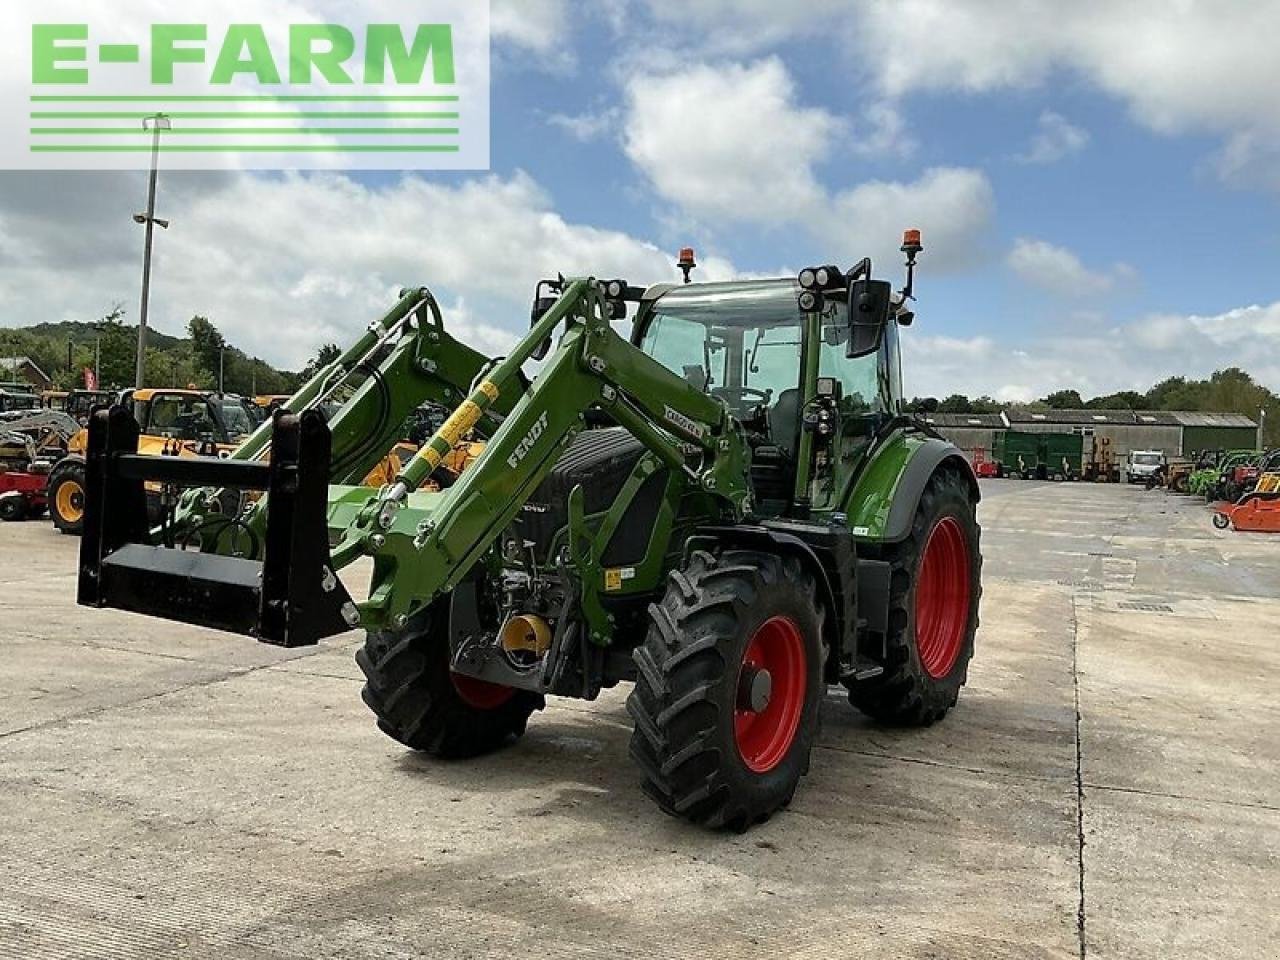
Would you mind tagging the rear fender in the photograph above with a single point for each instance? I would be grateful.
(884, 500)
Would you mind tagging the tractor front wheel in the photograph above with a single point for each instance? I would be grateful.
(933, 610)
(728, 687)
(66, 495)
(423, 704)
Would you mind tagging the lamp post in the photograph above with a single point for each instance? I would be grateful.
(155, 124)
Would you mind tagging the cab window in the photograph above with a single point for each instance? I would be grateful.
(182, 418)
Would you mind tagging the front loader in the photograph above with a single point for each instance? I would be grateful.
(727, 510)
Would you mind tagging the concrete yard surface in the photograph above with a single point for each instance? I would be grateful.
(1109, 785)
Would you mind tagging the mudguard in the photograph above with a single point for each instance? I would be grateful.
(884, 500)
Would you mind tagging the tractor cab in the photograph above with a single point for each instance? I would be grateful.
(17, 396)
(787, 363)
(191, 416)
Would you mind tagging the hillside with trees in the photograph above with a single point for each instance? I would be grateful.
(1228, 391)
(64, 350)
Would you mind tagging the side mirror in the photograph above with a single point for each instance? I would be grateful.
(869, 305)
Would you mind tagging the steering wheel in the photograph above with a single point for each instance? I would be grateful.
(736, 395)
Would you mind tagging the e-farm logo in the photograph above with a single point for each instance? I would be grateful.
(207, 91)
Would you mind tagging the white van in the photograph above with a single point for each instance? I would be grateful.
(1142, 464)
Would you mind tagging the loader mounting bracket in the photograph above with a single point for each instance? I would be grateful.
(286, 593)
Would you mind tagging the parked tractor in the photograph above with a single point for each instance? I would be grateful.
(728, 511)
(174, 423)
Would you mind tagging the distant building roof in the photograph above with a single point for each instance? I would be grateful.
(8, 364)
(1214, 420)
(1088, 418)
(977, 420)
(1070, 416)
(1163, 418)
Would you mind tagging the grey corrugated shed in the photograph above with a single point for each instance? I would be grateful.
(1214, 420)
(1161, 418)
(1073, 417)
(990, 420)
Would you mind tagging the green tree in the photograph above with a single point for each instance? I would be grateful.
(956, 403)
(1124, 400)
(1064, 400)
(325, 355)
(118, 347)
(207, 346)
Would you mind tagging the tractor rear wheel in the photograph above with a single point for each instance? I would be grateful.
(423, 704)
(935, 587)
(728, 687)
(66, 495)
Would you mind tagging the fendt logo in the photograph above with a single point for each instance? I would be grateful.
(530, 438)
(231, 84)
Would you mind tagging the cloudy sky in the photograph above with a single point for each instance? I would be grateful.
(1097, 183)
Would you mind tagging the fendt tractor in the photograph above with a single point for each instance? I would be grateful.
(728, 511)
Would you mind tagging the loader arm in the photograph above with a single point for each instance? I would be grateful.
(424, 544)
(406, 358)
(271, 573)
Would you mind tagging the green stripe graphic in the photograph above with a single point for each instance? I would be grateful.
(246, 131)
(247, 148)
(419, 98)
(247, 115)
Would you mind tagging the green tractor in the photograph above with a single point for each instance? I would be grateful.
(728, 510)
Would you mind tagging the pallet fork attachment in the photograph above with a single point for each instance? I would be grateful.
(287, 595)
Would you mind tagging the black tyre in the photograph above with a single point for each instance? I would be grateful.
(729, 683)
(66, 495)
(1221, 521)
(935, 588)
(13, 508)
(423, 704)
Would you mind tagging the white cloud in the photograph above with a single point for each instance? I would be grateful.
(1060, 271)
(883, 132)
(951, 206)
(536, 25)
(1132, 356)
(731, 144)
(587, 126)
(1183, 66)
(728, 143)
(1054, 139)
(284, 263)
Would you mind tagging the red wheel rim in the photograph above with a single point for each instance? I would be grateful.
(942, 598)
(764, 738)
(480, 694)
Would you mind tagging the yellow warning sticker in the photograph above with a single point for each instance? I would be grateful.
(454, 429)
(489, 389)
(461, 422)
(613, 579)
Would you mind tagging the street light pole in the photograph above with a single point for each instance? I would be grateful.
(155, 124)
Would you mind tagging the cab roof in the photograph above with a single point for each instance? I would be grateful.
(147, 393)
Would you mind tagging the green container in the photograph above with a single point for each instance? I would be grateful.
(1043, 456)
(1063, 454)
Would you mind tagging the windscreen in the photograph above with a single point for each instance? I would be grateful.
(236, 418)
(745, 347)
